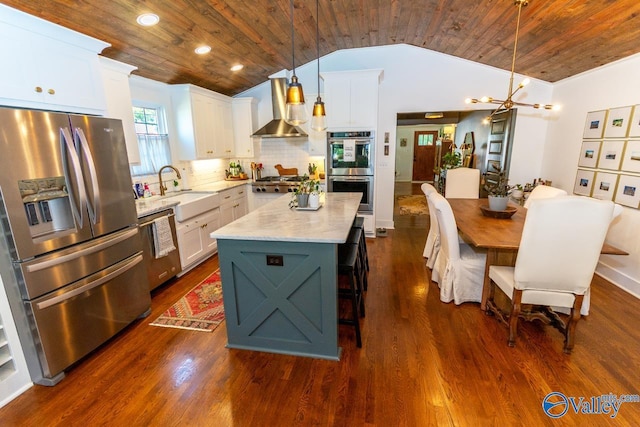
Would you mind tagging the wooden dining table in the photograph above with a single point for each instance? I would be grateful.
(501, 237)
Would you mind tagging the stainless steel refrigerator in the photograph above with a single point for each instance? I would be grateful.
(71, 255)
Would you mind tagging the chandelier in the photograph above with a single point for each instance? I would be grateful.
(508, 103)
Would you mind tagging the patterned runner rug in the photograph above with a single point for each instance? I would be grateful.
(413, 205)
(201, 309)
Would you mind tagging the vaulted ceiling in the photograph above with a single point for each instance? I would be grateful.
(558, 38)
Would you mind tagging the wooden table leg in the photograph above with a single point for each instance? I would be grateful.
(495, 256)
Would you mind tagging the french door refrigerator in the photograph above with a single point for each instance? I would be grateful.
(71, 255)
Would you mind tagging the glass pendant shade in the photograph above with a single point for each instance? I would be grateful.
(319, 117)
(296, 111)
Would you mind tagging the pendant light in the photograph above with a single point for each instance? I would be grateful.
(509, 103)
(296, 111)
(319, 117)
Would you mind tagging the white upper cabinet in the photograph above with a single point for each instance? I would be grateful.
(115, 77)
(245, 123)
(204, 123)
(49, 67)
(352, 99)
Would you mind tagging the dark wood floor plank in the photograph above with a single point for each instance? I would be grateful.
(423, 363)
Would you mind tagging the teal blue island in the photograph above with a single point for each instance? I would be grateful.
(279, 276)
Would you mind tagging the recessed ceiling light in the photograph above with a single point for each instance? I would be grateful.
(201, 50)
(237, 67)
(148, 19)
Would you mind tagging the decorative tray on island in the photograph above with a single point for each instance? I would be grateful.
(505, 214)
(310, 208)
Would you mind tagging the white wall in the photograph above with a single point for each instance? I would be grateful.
(614, 85)
(404, 155)
(417, 79)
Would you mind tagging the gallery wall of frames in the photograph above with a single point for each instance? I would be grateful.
(609, 164)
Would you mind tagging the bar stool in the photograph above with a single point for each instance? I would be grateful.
(349, 268)
(358, 222)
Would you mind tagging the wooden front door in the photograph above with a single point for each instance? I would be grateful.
(424, 155)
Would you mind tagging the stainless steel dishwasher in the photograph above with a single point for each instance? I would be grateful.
(159, 270)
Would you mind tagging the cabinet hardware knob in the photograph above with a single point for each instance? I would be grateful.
(51, 92)
(38, 89)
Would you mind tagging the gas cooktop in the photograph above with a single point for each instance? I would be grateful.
(277, 179)
(276, 184)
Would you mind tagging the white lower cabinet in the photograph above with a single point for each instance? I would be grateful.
(193, 238)
(233, 204)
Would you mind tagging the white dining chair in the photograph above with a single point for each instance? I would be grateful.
(559, 250)
(543, 192)
(432, 246)
(462, 183)
(459, 268)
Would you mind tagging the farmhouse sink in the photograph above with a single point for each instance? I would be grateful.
(192, 204)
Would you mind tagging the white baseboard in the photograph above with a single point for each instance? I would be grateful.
(621, 280)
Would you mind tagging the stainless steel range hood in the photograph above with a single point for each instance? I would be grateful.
(278, 128)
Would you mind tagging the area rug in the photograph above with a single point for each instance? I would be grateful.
(413, 205)
(201, 309)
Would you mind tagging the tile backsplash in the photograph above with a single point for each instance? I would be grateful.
(289, 152)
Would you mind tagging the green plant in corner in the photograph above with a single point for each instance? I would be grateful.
(451, 160)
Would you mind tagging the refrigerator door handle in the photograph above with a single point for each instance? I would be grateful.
(82, 289)
(84, 252)
(93, 205)
(67, 147)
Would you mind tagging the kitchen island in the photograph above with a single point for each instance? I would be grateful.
(279, 276)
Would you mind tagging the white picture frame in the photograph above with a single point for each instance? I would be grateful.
(604, 185)
(631, 157)
(589, 154)
(611, 155)
(594, 125)
(628, 191)
(634, 123)
(584, 182)
(617, 123)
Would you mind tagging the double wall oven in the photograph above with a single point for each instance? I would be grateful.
(350, 165)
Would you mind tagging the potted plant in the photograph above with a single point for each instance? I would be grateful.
(301, 193)
(314, 193)
(498, 190)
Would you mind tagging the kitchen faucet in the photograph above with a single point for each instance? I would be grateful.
(163, 189)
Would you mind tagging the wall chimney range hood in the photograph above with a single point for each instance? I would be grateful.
(278, 128)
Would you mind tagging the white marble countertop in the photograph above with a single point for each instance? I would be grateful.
(275, 221)
(155, 204)
(221, 185)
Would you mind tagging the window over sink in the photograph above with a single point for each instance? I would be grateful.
(153, 141)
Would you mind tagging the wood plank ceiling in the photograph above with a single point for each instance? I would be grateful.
(558, 39)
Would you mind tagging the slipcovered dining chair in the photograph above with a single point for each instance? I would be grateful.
(462, 183)
(459, 268)
(559, 249)
(543, 192)
(432, 246)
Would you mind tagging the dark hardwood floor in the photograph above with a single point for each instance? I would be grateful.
(422, 363)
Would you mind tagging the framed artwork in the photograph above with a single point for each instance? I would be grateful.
(628, 192)
(617, 122)
(611, 155)
(594, 125)
(584, 182)
(589, 154)
(631, 157)
(403, 142)
(604, 186)
(634, 125)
